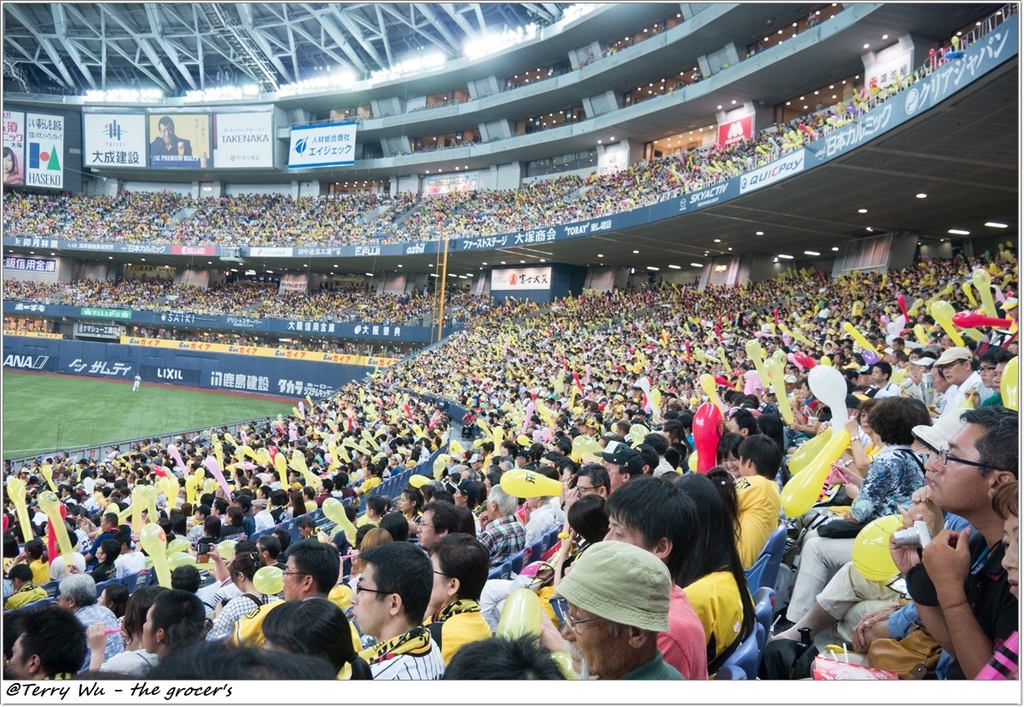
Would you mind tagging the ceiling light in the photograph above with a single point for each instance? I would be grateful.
(866, 46)
(785, 257)
(958, 232)
(862, 211)
(697, 265)
(522, 262)
(811, 252)
(718, 240)
(651, 267)
(502, 262)
(870, 230)
(542, 260)
(399, 265)
(995, 224)
(885, 36)
(835, 249)
(674, 267)
(599, 255)
(636, 252)
(369, 274)
(922, 195)
(483, 263)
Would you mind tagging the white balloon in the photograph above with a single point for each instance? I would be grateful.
(829, 386)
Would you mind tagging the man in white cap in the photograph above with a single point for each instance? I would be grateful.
(956, 365)
(912, 385)
(617, 602)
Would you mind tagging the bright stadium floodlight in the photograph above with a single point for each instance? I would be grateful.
(491, 43)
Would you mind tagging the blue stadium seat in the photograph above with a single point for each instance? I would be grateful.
(765, 569)
(764, 609)
(103, 585)
(537, 550)
(52, 588)
(730, 672)
(129, 581)
(748, 656)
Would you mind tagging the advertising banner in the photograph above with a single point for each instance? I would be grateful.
(159, 272)
(113, 140)
(243, 140)
(268, 352)
(14, 147)
(44, 135)
(330, 145)
(30, 264)
(98, 331)
(513, 280)
(449, 183)
(180, 141)
(734, 131)
(886, 73)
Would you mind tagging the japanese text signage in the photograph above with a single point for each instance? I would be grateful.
(113, 140)
(322, 145)
(44, 136)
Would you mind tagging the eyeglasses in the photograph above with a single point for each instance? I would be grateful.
(585, 489)
(945, 457)
(285, 573)
(561, 607)
(987, 368)
(361, 588)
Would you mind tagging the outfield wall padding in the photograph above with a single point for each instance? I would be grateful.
(227, 372)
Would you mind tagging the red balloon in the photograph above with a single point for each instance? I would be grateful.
(803, 360)
(707, 430)
(966, 320)
(902, 302)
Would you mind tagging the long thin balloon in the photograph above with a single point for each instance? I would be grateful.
(213, 467)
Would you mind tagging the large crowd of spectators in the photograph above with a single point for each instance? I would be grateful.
(597, 364)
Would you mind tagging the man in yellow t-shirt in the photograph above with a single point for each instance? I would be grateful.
(757, 495)
(25, 590)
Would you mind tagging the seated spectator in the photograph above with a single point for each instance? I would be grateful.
(186, 578)
(461, 565)
(114, 597)
(59, 568)
(503, 659)
(1005, 663)
(438, 520)
(106, 555)
(50, 645)
(710, 571)
(757, 495)
(241, 569)
(26, 590)
(962, 592)
(134, 659)
(316, 627)
(504, 535)
(128, 561)
(647, 513)
(175, 620)
(78, 594)
(622, 644)
(390, 602)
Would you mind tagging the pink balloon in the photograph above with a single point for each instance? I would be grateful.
(213, 466)
(795, 361)
(707, 431)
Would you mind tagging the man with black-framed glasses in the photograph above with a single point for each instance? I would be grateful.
(389, 603)
(957, 580)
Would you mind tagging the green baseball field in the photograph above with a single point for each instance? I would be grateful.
(43, 413)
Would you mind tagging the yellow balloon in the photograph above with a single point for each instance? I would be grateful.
(983, 281)
(268, 580)
(920, 334)
(418, 480)
(524, 483)
(825, 361)
(523, 441)
(177, 545)
(776, 377)
(870, 554)
(16, 491)
(1008, 389)
(807, 451)
(966, 287)
(942, 312)
(168, 486)
(47, 471)
(281, 464)
(226, 549)
(334, 510)
(50, 505)
(803, 490)
(154, 543)
(564, 662)
(520, 616)
(707, 383)
(456, 449)
(859, 337)
(637, 433)
(691, 462)
(440, 464)
(179, 559)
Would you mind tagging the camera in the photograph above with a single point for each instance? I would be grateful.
(918, 536)
(203, 548)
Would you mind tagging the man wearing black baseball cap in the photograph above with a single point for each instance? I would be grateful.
(622, 463)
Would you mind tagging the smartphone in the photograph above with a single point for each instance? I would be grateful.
(203, 548)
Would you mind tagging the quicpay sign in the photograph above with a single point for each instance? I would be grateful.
(771, 173)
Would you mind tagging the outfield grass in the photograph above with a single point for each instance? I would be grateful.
(43, 413)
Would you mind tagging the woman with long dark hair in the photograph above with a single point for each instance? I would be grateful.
(711, 573)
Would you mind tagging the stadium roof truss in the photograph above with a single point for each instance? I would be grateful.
(70, 48)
